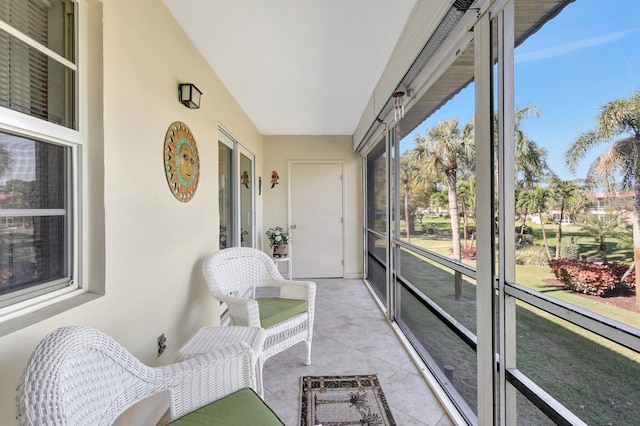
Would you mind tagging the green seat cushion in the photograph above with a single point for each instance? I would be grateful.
(241, 408)
(275, 309)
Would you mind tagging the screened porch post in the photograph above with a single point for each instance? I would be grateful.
(486, 393)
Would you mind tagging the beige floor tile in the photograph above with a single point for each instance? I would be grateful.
(351, 336)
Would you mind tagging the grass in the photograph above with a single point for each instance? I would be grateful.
(593, 377)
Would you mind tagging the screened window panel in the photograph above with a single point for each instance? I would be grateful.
(32, 252)
(448, 353)
(33, 175)
(377, 188)
(34, 214)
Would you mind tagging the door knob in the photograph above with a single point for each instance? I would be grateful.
(294, 226)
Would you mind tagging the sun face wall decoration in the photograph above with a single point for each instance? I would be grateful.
(181, 161)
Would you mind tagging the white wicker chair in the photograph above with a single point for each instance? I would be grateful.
(79, 376)
(233, 274)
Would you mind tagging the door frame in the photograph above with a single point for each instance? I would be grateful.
(290, 163)
(237, 149)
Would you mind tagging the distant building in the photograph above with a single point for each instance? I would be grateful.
(620, 203)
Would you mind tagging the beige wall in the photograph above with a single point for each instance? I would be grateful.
(153, 246)
(279, 150)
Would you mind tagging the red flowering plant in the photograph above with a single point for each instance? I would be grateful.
(591, 278)
(466, 252)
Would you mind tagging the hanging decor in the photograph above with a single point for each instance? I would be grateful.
(274, 179)
(398, 106)
(181, 161)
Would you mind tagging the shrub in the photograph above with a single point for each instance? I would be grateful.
(591, 278)
(527, 229)
(468, 253)
(532, 255)
(570, 251)
(526, 240)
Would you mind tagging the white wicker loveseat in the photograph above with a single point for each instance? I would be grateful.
(234, 274)
(80, 376)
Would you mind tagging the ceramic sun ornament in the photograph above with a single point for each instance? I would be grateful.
(181, 161)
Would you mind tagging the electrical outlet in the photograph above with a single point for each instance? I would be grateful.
(162, 344)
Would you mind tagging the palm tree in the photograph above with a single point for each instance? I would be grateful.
(446, 147)
(607, 226)
(563, 191)
(417, 191)
(523, 204)
(6, 161)
(439, 199)
(535, 200)
(406, 173)
(467, 203)
(617, 124)
(530, 159)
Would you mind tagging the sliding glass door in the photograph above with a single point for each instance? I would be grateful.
(236, 189)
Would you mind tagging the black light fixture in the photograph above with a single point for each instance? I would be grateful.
(189, 95)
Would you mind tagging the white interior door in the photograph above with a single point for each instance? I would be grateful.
(316, 220)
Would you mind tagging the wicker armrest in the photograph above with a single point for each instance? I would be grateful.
(303, 290)
(200, 380)
(243, 311)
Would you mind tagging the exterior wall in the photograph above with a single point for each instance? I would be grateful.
(278, 150)
(153, 244)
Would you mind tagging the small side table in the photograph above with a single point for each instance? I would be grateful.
(209, 339)
(287, 259)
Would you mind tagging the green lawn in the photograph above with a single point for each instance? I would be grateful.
(596, 379)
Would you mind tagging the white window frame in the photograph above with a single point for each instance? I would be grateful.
(23, 313)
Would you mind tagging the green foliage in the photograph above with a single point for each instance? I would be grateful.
(277, 235)
(527, 230)
(570, 251)
(523, 241)
(532, 255)
(601, 227)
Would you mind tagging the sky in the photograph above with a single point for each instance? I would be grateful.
(586, 56)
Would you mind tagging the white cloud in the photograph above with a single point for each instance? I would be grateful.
(563, 49)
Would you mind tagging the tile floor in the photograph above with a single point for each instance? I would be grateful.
(351, 336)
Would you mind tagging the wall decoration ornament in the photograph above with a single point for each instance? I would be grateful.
(274, 179)
(181, 161)
(245, 179)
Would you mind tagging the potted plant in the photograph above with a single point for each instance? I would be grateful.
(278, 240)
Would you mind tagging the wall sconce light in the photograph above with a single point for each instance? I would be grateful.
(398, 105)
(189, 95)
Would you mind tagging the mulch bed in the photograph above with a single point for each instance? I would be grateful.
(621, 298)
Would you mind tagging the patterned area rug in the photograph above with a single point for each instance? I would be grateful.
(343, 401)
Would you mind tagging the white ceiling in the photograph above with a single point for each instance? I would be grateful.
(296, 67)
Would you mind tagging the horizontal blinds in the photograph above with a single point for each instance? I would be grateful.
(36, 45)
(28, 17)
